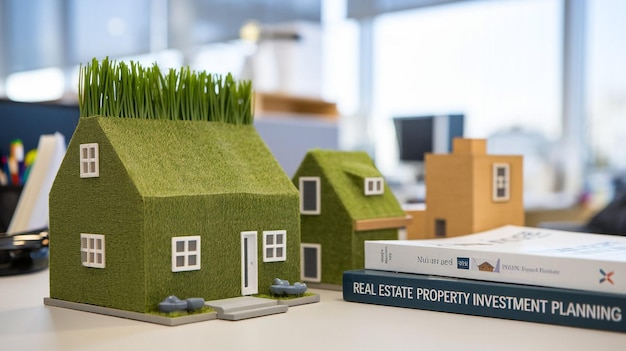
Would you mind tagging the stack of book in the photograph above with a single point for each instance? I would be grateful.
(512, 272)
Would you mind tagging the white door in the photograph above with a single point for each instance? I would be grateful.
(249, 265)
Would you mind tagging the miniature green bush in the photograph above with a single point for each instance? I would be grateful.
(283, 297)
(109, 88)
(204, 309)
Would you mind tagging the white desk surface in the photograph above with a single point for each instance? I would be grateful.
(332, 324)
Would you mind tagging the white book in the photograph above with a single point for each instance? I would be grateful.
(31, 211)
(512, 254)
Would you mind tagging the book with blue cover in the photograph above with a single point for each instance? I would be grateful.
(566, 307)
(512, 254)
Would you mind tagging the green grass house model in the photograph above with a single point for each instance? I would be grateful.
(344, 200)
(167, 189)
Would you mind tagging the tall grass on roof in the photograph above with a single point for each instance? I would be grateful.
(109, 88)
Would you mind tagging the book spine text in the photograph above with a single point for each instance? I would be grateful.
(508, 301)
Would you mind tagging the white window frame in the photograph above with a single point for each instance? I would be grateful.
(185, 253)
(87, 160)
(273, 248)
(501, 182)
(318, 195)
(378, 187)
(92, 248)
(318, 251)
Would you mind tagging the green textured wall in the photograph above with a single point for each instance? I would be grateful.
(332, 228)
(219, 220)
(108, 205)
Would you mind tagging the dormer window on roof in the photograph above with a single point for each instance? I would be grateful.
(374, 186)
(89, 161)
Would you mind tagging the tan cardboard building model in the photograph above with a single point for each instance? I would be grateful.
(469, 191)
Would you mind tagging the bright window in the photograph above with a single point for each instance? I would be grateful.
(497, 62)
(274, 245)
(501, 182)
(89, 162)
(92, 250)
(185, 253)
(374, 186)
(310, 195)
(606, 91)
(26, 86)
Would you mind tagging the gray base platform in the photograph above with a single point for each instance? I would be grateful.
(300, 300)
(244, 307)
(144, 317)
(325, 286)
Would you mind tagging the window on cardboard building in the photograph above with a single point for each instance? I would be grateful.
(185, 253)
(374, 186)
(92, 250)
(274, 245)
(310, 195)
(501, 182)
(89, 161)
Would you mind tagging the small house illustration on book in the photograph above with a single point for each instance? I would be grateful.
(485, 267)
(469, 191)
(344, 200)
(142, 209)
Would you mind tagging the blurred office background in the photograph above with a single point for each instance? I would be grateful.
(543, 78)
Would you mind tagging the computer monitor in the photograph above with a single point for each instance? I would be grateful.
(418, 135)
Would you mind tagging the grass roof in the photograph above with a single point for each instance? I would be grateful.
(171, 158)
(346, 172)
(113, 89)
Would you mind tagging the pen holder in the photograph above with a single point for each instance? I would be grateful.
(9, 196)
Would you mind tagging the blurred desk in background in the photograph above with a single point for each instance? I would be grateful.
(265, 103)
(556, 207)
(575, 215)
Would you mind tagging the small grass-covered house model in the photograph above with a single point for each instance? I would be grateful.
(144, 208)
(344, 200)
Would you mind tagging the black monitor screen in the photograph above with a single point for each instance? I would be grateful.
(415, 137)
(419, 135)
